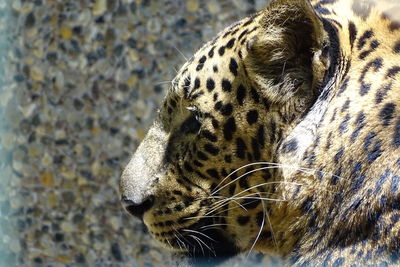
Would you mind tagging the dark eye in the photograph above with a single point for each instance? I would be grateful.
(192, 124)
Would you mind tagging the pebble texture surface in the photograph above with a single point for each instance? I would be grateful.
(82, 83)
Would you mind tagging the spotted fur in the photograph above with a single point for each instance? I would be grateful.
(281, 135)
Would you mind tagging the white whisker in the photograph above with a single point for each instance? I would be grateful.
(259, 232)
(200, 233)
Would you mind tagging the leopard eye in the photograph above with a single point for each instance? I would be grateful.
(192, 124)
(194, 110)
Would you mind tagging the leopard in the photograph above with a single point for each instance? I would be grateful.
(281, 136)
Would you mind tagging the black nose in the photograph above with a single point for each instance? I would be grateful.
(137, 209)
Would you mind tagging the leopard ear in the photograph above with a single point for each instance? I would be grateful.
(290, 54)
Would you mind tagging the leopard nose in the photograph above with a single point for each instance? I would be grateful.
(138, 207)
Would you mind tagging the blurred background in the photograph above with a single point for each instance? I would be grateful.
(80, 83)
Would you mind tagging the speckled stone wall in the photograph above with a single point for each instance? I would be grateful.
(80, 84)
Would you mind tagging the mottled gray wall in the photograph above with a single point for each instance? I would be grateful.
(82, 83)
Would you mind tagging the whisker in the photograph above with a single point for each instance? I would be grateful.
(197, 240)
(215, 225)
(259, 232)
(235, 171)
(245, 174)
(200, 233)
(179, 51)
(178, 241)
(271, 166)
(164, 82)
(227, 199)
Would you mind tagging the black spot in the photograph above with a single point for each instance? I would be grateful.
(215, 69)
(242, 34)
(382, 180)
(177, 192)
(218, 105)
(396, 136)
(226, 110)
(343, 87)
(396, 47)
(226, 33)
(209, 135)
(307, 205)
(221, 50)
(386, 113)
(211, 149)
(289, 146)
(355, 174)
(352, 33)
(375, 153)
(255, 95)
(198, 163)
(394, 186)
(211, 52)
(393, 71)
(381, 92)
(322, 10)
(201, 155)
(368, 140)
(231, 43)
(339, 155)
(241, 94)
(213, 173)
(196, 83)
(374, 44)
(229, 128)
(243, 220)
(215, 123)
(260, 218)
(336, 176)
(240, 148)
(363, 39)
(360, 118)
(210, 84)
(228, 158)
(178, 208)
(252, 116)
(226, 85)
(346, 105)
(187, 167)
(248, 22)
(364, 89)
(344, 124)
(233, 66)
(201, 63)
(215, 97)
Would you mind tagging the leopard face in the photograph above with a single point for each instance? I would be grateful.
(248, 149)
